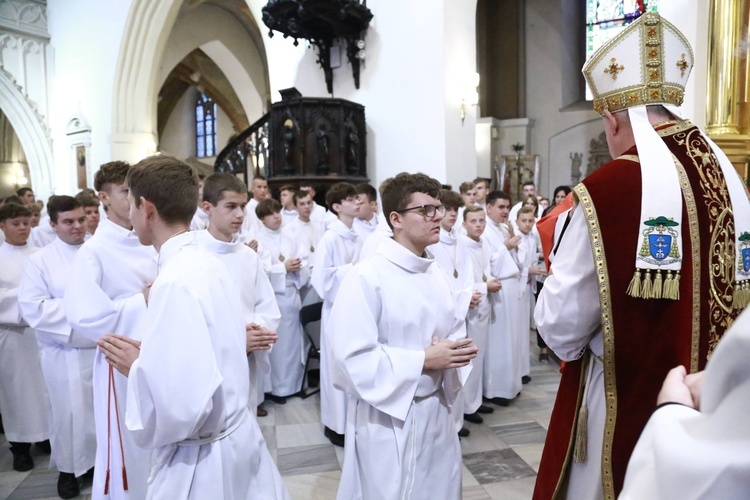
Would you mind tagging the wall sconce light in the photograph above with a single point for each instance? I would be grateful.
(21, 179)
(473, 99)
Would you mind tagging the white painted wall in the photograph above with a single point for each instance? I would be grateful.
(86, 37)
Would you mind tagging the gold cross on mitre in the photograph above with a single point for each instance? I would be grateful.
(683, 65)
(613, 68)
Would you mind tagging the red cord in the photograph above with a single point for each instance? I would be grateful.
(113, 391)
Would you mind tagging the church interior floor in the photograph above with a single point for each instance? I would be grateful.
(501, 456)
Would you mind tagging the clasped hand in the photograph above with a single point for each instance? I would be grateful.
(120, 352)
(448, 353)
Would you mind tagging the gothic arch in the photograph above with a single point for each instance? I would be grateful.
(134, 109)
(31, 131)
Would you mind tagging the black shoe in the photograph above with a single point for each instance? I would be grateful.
(89, 474)
(22, 461)
(474, 418)
(313, 378)
(525, 379)
(67, 485)
(485, 409)
(44, 446)
(464, 432)
(544, 358)
(261, 411)
(279, 400)
(335, 438)
(499, 401)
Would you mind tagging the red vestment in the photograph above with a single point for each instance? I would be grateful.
(645, 338)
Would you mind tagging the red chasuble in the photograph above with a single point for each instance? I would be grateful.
(645, 338)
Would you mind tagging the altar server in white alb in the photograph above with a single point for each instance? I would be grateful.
(188, 382)
(502, 364)
(307, 234)
(478, 251)
(23, 396)
(107, 293)
(401, 365)
(286, 273)
(456, 264)
(334, 258)
(67, 356)
(319, 213)
(224, 200)
(367, 221)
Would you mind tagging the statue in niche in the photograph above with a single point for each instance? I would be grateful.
(352, 150)
(321, 139)
(576, 160)
(287, 139)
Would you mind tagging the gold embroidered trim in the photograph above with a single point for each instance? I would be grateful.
(605, 304)
(630, 158)
(695, 251)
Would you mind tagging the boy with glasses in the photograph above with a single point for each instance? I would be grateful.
(405, 361)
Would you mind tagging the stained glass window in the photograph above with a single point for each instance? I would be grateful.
(606, 18)
(205, 126)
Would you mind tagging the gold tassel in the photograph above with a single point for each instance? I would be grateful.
(579, 451)
(645, 250)
(647, 285)
(676, 286)
(737, 295)
(634, 288)
(656, 291)
(668, 285)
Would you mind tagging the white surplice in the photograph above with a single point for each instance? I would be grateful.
(251, 225)
(105, 295)
(42, 235)
(322, 216)
(456, 265)
(334, 258)
(67, 357)
(364, 228)
(688, 454)
(307, 236)
(23, 395)
(401, 440)
(288, 216)
(188, 390)
(502, 366)
(200, 220)
(568, 318)
(257, 297)
(382, 232)
(287, 360)
(528, 255)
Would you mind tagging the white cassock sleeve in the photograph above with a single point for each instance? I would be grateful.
(88, 308)
(172, 383)
(266, 312)
(326, 277)
(39, 309)
(383, 376)
(567, 313)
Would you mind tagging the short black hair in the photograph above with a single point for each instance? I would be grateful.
(493, 196)
(113, 172)
(338, 193)
(61, 203)
(267, 207)
(12, 210)
(366, 189)
(167, 182)
(218, 183)
(22, 191)
(397, 193)
(299, 194)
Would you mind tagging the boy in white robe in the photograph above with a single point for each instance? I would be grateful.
(24, 403)
(502, 367)
(338, 251)
(307, 234)
(479, 253)
(452, 259)
(401, 365)
(286, 274)
(67, 357)
(259, 192)
(107, 293)
(319, 214)
(286, 198)
(528, 257)
(224, 200)
(367, 221)
(188, 382)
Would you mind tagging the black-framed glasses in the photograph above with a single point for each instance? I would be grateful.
(428, 211)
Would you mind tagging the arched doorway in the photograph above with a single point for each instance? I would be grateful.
(33, 136)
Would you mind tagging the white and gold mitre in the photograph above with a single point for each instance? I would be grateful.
(648, 62)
